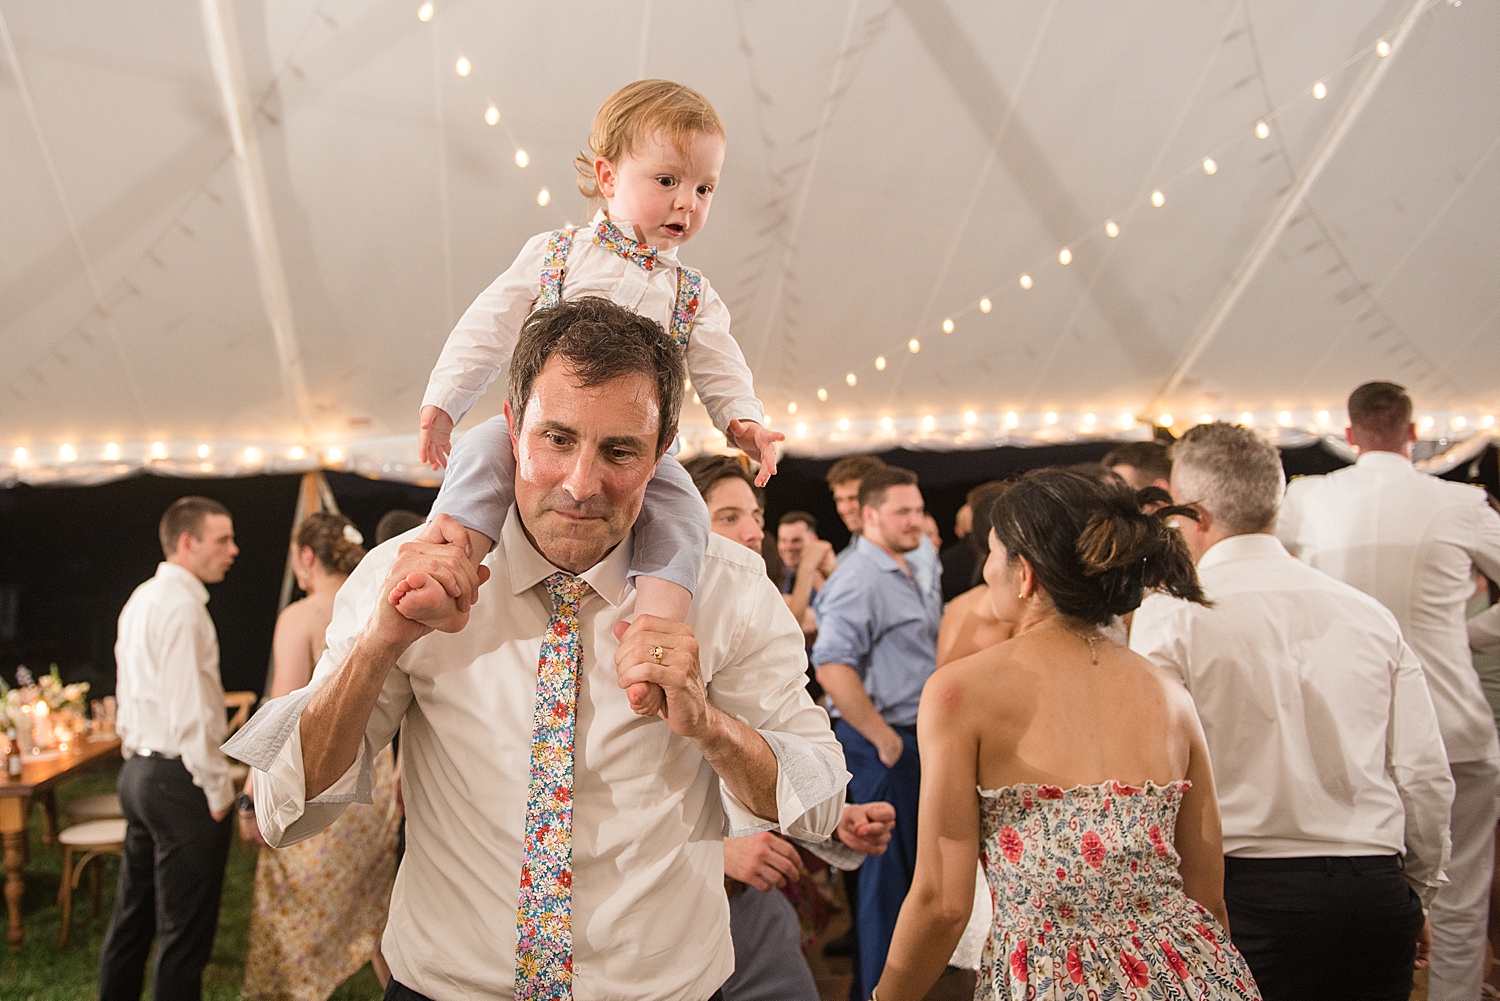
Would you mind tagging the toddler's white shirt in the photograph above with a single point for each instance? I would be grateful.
(479, 348)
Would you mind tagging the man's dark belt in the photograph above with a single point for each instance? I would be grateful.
(1315, 863)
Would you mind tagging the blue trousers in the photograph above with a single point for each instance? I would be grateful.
(883, 879)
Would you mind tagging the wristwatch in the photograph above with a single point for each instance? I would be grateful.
(244, 803)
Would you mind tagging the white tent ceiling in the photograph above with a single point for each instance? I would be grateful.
(890, 164)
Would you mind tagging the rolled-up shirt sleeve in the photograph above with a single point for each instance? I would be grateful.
(717, 366)
(271, 742)
(763, 683)
(844, 620)
(1418, 764)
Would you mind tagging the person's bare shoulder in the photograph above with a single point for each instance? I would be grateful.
(988, 685)
(300, 617)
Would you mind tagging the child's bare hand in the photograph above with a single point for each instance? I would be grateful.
(755, 439)
(434, 440)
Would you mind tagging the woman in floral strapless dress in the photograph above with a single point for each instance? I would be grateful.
(1074, 771)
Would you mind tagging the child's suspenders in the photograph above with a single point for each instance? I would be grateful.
(555, 263)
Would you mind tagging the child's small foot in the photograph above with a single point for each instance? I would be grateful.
(422, 599)
(646, 698)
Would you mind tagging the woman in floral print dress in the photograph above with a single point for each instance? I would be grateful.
(1074, 771)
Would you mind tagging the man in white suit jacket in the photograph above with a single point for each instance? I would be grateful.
(1412, 542)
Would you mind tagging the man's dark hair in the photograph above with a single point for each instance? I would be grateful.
(1380, 409)
(186, 515)
(600, 341)
(708, 470)
(1150, 457)
(852, 467)
(792, 517)
(981, 502)
(395, 522)
(874, 484)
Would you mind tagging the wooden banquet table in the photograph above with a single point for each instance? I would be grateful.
(38, 779)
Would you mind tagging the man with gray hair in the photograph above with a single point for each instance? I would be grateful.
(1412, 542)
(1333, 785)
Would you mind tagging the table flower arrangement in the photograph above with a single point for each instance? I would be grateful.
(45, 713)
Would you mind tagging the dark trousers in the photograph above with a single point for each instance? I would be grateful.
(400, 992)
(883, 879)
(1325, 929)
(170, 880)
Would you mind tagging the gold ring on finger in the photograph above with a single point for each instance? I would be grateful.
(656, 653)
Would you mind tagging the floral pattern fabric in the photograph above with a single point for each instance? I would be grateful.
(554, 262)
(544, 916)
(610, 237)
(1089, 903)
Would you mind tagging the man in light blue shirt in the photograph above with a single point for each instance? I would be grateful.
(876, 648)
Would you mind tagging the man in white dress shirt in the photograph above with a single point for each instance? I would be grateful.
(175, 789)
(593, 402)
(1412, 542)
(1332, 780)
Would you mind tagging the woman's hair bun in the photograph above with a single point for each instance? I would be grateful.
(334, 541)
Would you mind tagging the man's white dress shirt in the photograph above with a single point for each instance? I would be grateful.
(1411, 541)
(1484, 630)
(479, 348)
(170, 695)
(650, 917)
(1319, 726)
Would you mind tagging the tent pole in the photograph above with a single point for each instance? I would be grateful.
(313, 495)
(1261, 249)
(229, 72)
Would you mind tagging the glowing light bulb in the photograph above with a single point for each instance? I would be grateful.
(203, 451)
(947, 326)
(111, 451)
(492, 116)
(1158, 199)
(158, 450)
(1262, 130)
(1210, 165)
(1487, 421)
(1383, 48)
(970, 417)
(887, 423)
(696, 399)
(928, 423)
(424, 12)
(296, 452)
(1322, 417)
(1011, 419)
(252, 455)
(19, 458)
(852, 379)
(985, 305)
(67, 454)
(1460, 422)
(843, 423)
(791, 408)
(463, 66)
(1284, 418)
(1247, 418)
(1026, 281)
(801, 427)
(543, 197)
(822, 395)
(1127, 421)
(1427, 422)
(1165, 420)
(1065, 257)
(521, 158)
(1088, 420)
(334, 454)
(1050, 417)
(1111, 229)
(1205, 418)
(914, 345)
(880, 364)
(1320, 90)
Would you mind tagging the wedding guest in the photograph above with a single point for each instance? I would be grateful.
(539, 803)
(319, 907)
(960, 565)
(1331, 774)
(969, 622)
(397, 521)
(931, 532)
(765, 876)
(1413, 542)
(1142, 464)
(877, 645)
(808, 561)
(844, 479)
(175, 789)
(1095, 817)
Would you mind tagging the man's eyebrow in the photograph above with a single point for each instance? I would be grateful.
(547, 426)
(616, 440)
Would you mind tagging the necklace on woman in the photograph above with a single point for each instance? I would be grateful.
(1088, 638)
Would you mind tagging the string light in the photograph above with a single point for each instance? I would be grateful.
(203, 451)
(914, 345)
(985, 305)
(1322, 417)
(880, 363)
(1026, 281)
(1127, 421)
(947, 326)
(111, 451)
(1284, 418)
(696, 400)
(1382, 48)
(1088, 420)
(252, 455)
(1158, 199)
(543, 197)
(1427, 422)
(928, 423)
(158, 450)
(296, 453)
(463, 66)
(1165, 420)
(1111, 229)
(1050, 418)
(1460, 422)
(852, 379)
(1210, 165)
(1320, 90)
(791, 408)
(492, 116)
(1262, 130)
(424, 13)
(67, 454)
(970, 417)
(843, 423)
(1247, 418)
(801, 428)
(521, 158)
(822, 395)
(1205, 418)
(1065, 257)
(1488, 421)
(19, 458)
(334, 454)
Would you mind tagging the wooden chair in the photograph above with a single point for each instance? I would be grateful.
(105, 806)
(82, 844)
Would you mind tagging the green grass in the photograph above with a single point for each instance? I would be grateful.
(42, 973)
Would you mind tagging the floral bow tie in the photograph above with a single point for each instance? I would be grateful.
(610, 237)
